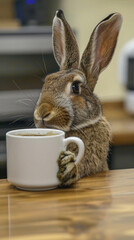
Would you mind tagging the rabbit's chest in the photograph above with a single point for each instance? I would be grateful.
(97, 135)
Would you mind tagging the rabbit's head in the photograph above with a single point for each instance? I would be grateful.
(67, 100)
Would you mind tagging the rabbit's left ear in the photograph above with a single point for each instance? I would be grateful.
(100, 48)
(64, 43)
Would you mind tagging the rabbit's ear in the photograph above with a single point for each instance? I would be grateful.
(100, 48)
(64, 43)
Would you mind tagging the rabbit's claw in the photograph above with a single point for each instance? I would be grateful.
(67, 173)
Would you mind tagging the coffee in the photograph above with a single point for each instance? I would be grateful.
(36, 134)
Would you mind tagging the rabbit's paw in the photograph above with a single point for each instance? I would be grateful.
(67, 173)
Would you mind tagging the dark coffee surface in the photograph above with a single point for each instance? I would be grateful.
(36, 135)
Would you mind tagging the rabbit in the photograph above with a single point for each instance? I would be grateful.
(67, 100)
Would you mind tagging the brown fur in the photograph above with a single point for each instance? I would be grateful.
(96, 139)
(78, 113)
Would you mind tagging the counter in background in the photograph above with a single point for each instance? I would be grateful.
(122, 146)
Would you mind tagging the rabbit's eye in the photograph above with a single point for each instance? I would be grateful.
(76, 87)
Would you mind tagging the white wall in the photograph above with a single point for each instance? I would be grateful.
(83, 15)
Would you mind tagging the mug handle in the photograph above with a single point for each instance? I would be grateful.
(80, 144)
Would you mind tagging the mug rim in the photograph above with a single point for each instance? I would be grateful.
(13, 133)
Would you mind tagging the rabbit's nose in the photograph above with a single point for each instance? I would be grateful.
(46, 115)
(37, 117)
(44, 111)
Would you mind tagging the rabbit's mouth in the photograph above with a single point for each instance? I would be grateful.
(42, 124)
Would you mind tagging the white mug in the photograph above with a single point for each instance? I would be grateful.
(32, 160)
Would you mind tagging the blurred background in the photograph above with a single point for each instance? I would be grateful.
(26, 57)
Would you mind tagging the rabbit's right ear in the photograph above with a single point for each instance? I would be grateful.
(64, 43)
(100, 48)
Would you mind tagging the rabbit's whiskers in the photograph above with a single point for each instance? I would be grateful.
(24, 93)
(44, 65)
(18, 118)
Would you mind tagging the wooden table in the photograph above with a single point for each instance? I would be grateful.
(100, 207)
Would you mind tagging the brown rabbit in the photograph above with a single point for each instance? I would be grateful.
(67, 101)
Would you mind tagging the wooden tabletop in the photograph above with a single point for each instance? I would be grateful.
(121, 121)
(100, 207)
